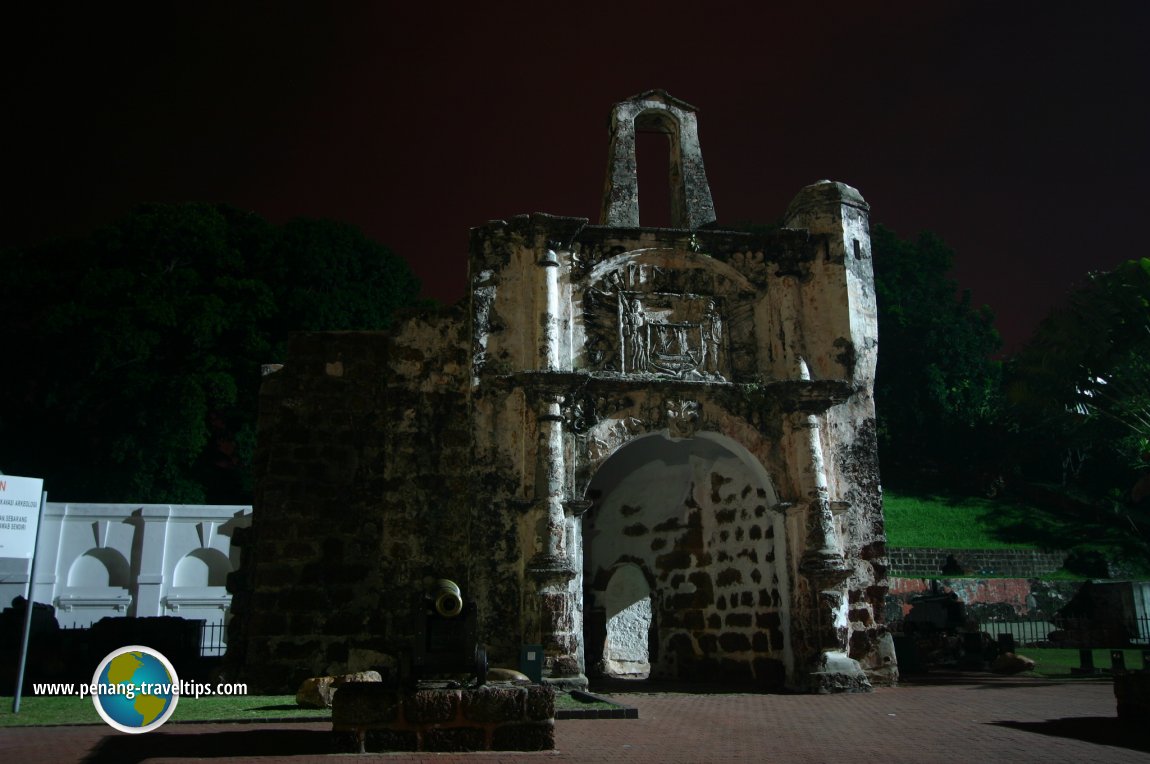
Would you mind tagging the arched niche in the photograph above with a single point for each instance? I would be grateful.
(101, 567)
(202, 567)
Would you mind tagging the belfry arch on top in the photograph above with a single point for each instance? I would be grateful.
(657, 111)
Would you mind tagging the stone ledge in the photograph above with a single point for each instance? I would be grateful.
(373, 717)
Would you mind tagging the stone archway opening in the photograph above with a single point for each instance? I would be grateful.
(683, 564)
(627, 605)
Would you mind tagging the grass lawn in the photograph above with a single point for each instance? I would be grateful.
(36, 710)
(564, 702)
(1056, 662)
(950, 522)
(924, 519)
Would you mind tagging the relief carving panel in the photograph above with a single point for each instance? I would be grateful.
(677, 336)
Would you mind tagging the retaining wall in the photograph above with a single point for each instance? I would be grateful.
(1006, 563)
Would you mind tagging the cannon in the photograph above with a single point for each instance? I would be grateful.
(935, 612)
(445, 644)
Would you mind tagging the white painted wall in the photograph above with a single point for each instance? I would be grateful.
(98, 560)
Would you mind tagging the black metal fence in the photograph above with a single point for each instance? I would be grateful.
(213, 641)
(1058, 631)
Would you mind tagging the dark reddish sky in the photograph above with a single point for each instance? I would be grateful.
(1016, 131)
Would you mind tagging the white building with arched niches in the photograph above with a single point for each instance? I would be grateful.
(97, 560)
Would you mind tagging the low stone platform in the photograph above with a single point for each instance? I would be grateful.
(496, 717)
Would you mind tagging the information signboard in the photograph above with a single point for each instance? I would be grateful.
(19, 515)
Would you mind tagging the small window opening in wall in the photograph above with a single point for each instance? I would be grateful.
(653, 168)
(858, 250)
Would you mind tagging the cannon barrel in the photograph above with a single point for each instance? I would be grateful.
(444, 640)
(448, 598)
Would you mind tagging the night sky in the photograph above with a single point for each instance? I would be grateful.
(1016, 131)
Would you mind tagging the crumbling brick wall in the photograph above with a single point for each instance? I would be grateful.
(360, 433)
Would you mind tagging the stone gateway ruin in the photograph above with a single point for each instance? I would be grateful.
(651, 451)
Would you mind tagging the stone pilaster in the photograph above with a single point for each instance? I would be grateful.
(153, 528)
(551, 614)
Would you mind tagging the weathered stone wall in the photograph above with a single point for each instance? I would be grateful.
(482, 447)
(1007, 563)
(564, 300)
(360, 434)
(1027, 598)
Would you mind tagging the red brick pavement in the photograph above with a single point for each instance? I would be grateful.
(974, 720)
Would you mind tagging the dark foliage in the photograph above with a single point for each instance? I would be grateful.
(937, 386)
(1080, 394)
(135, 353)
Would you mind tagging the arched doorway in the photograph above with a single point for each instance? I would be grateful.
(627, 605)
(685, 541)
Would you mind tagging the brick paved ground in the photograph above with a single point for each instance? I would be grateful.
(954, 721)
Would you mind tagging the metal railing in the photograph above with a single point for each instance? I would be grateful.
(1059, 631)
(213, 638)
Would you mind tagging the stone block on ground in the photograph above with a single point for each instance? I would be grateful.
(374, 717)
(365, 704)
(540, 702)
(318, 691)
(494, 704)
(1011, 663)
(507, 675)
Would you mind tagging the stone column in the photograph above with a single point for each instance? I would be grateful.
(824, 548)
(551, 609)
(824, 664)
(549, 472)
(549, 316)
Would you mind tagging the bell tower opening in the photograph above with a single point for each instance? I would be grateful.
(654, 149)
(654, 111)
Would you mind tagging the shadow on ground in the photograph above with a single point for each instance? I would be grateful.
(1099, 730)
(985, 681)
(132, 749)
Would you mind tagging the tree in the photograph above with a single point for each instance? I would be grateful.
(1081, 390)
(139, 347)
(936, 386)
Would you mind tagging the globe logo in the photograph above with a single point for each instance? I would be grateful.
(135, 689)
